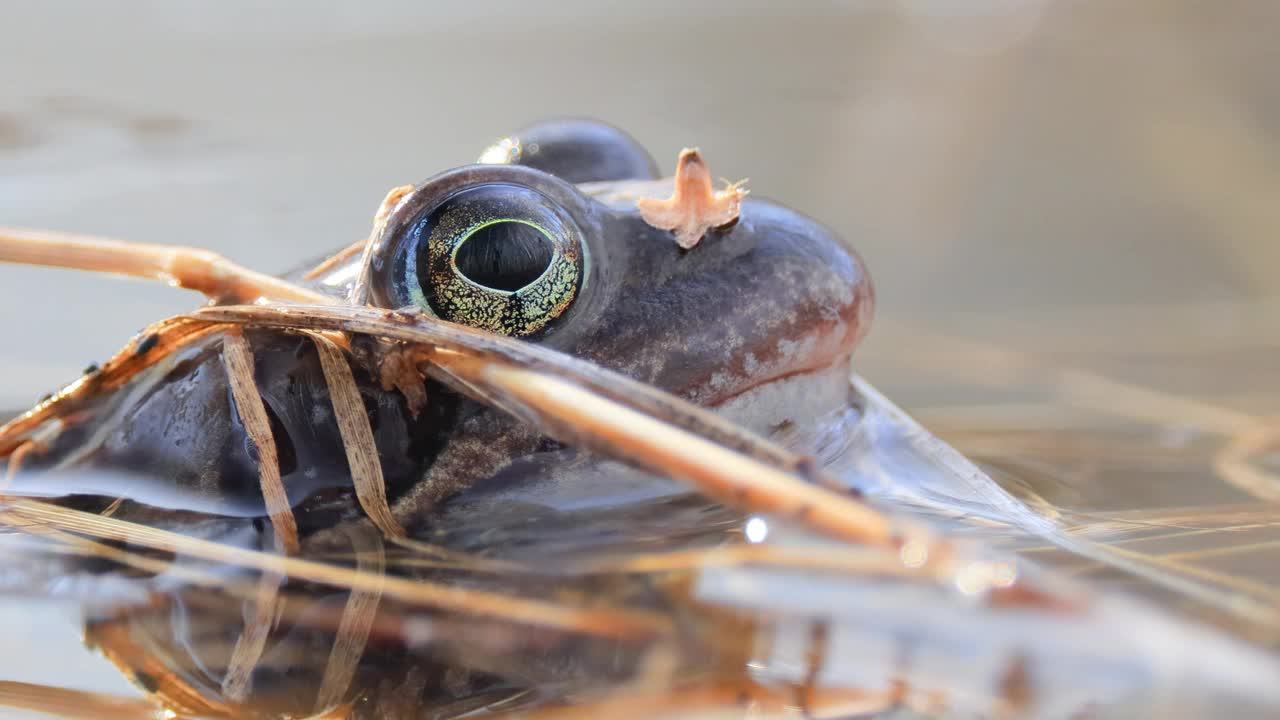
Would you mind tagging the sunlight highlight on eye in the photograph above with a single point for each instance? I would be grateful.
(504, 152)
(756, 530)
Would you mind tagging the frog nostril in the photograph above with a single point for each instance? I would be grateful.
(505, 255)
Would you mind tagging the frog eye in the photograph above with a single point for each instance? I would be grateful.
(500, 257)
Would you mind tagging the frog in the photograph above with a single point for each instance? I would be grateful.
(564, 236)
(562, 245)
(510, 340)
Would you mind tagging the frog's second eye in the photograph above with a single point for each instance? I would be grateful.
(499, 257)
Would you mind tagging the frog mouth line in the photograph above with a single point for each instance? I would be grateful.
(831, 347)
(816, 371)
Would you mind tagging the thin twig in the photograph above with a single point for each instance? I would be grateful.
(186, 267)
(586, 419)
(65, 702)
(238, 359)
(23, 512)
(357, 619)
(335, 259)
(161, 340)
(253, 639)
(357, 436)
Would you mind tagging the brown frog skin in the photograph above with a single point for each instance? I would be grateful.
(758, 320)
(774, 300)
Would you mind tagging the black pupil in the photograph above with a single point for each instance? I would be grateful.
(506, 255)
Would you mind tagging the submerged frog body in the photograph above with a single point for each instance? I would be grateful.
(758, 320)
(563, 237)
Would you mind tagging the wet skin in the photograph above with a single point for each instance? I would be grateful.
(774, 300)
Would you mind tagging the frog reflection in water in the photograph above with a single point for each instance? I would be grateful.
(564, 236)
(757, 319)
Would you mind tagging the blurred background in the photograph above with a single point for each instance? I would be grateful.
(1070, 208)
(1025, 160)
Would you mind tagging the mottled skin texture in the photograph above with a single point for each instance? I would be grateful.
(772, 296)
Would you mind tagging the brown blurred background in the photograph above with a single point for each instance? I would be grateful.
(991, 158)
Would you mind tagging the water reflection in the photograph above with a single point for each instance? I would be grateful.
(657, 601)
